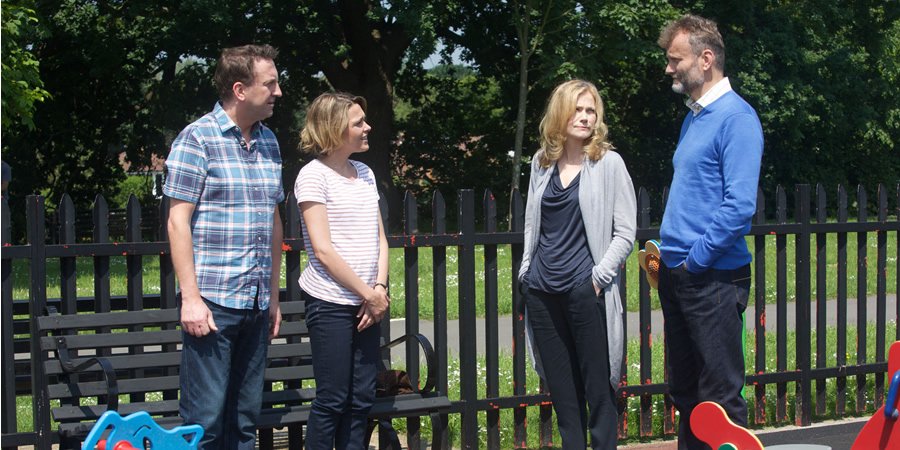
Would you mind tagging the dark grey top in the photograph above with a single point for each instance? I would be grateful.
(563, 260)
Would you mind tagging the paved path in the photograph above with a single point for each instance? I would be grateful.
(656, 320)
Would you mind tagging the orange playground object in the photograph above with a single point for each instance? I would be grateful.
(711, 425)
(882, 430)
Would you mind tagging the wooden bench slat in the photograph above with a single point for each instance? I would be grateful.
(289, 396)
(302, 350)
(291, 373)
(83, 428)
(66, 322)
(69, 413)
(153, 368)
(124, 362)
(109, 340)
(408, 404)
(293, 328)
(126, 386)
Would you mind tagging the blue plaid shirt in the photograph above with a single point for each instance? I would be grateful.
(235, 187)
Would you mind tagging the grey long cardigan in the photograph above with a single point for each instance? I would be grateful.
(609, 210)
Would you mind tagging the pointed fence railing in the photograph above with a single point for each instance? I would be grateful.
(640, 405)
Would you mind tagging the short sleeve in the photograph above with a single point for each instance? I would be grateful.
(186, 167)
(311, 185)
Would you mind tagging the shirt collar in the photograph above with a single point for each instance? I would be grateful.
(718, 90)
(225, 122)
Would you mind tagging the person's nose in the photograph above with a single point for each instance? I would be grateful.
(277, 92)
(670, 69)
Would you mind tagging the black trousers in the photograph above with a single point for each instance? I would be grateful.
(570, 336)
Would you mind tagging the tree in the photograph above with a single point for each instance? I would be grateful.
(359, 46)
(823, 77)
(609, 43)
(22, 86)
(446, 138)
(129, 76)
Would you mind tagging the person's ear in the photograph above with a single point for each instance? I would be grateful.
(238, 90)
(707, 59)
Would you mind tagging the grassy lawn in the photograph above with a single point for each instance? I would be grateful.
(507, 423)
(118, 282)
(118, 286)
(633, 406)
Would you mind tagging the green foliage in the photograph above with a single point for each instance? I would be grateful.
(22, 86)
(822, 76)
(446, 141)
(139, 186)
(127, 77)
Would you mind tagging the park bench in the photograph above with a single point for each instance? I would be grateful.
(91, 360)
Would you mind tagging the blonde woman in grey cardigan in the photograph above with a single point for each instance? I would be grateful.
(580, 221)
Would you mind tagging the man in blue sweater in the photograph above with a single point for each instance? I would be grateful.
(704, 278)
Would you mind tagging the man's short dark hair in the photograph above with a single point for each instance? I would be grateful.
(703, 34)
(236, 65)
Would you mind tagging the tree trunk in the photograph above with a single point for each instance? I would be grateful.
(520, 121)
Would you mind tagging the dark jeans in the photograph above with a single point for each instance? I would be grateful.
(344, 361)
(221, 377)
(570, 336)
(704, 326)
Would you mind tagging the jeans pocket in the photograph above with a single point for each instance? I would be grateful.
(739, 279)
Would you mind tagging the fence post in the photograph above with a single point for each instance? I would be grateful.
(467, 350)
(821, 297)
(293, 262)
(134, 266)
(411, 311)
(880, 294)
(491, 321)
(862, 304)
(8, 362)
(68, 275)
(517, 224)
(840, 383)
(646, 370)
(802, 413)
(439, 290)
(781, 303)
(897, 266)
(38, 287)
(293, 258)
(759, 306)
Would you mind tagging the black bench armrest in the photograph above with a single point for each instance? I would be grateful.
(430, 359)
(68, 367)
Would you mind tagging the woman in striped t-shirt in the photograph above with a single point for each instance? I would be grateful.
(344, 283)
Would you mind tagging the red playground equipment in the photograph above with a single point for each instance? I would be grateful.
(882, 430)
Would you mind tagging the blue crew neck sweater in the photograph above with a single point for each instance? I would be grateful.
(713, 194)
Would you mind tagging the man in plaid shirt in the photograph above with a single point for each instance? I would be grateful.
(225, 232)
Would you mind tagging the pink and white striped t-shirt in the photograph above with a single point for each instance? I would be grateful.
(352, 208)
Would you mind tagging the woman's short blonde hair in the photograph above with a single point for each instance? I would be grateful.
(326, 121)
(560, 109)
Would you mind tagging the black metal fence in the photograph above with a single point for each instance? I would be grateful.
(18, 347)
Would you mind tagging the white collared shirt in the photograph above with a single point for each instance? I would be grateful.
(718, 90)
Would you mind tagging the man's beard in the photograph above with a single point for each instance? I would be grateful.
(688, 80)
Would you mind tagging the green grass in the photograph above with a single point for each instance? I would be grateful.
(507, 423)
(118, 282)
(118, 286)
(24, 418)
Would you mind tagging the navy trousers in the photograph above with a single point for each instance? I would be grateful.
(704, 326)
(344, 361)
(222, 377)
